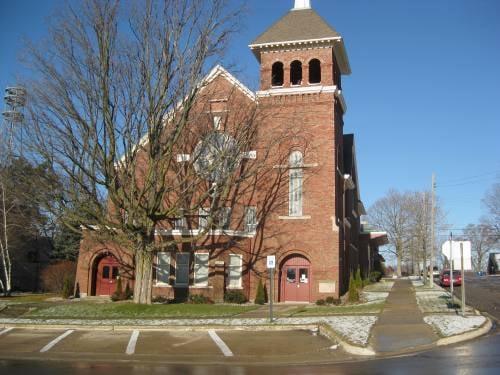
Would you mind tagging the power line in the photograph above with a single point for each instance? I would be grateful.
(461, 179)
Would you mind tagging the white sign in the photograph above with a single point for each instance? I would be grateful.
(455, 254)
(271, 261)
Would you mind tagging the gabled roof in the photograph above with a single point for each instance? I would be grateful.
(217, 71)
(297, 25)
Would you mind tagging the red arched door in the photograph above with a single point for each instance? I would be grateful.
(296, 279)
(106, 275)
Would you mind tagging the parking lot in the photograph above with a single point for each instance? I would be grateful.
(181, 346)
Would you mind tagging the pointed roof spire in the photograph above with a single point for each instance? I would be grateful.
(302, 4)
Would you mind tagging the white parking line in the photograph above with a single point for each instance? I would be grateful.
(221, 344)
(132, 342)
(50, 345)
(6, 330)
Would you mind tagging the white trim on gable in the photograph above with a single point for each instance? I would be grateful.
(220, 70)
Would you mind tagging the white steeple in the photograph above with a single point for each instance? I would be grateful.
(302, 4)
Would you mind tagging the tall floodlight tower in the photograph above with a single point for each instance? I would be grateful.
(15, 100)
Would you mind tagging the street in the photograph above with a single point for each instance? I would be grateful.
(483, 293)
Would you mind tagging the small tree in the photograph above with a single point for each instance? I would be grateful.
(67, 288)
(353, 290)
(359, 280)
(260, 297)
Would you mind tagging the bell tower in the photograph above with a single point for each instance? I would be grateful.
(300, 52)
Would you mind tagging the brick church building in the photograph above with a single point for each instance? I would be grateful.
(314, 229)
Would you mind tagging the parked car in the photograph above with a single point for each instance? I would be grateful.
(444, 278)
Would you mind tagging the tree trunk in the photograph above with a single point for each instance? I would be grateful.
(143, 275)
(399, 259)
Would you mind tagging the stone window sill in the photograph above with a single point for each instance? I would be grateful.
(303, 217)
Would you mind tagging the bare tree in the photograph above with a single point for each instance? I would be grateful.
(113, 107)
(122, 113)
(483, 240)
(492, 204)
(5, 208)
(392, 215)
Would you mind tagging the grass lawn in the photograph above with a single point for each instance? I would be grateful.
(366, 308)
(27, 298)
(85, 310)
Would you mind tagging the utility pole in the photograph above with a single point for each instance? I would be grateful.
(433, 208)
(463, 277)
(451, 270)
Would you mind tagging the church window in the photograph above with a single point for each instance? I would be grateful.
(295, 184)
(296, 73)
(314, 71)
(277, 74)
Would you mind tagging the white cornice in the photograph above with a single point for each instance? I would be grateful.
(298, 90)
(290, 42)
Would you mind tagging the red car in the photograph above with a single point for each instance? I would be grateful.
(444, 278)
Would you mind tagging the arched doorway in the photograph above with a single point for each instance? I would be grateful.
(105, 272)
(295, 276)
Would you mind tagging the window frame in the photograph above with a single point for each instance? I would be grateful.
(239, 269)
(251, 226)
(296, 184)
(158, 266)
(177, 263)
(224, 220)
(195, 272)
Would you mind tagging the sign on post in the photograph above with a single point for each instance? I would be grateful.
(271, 261)
(271, 265)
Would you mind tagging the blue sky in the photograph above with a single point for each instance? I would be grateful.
(423, 96)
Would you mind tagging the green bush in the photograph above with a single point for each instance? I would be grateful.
(235, 296)
(332, 300)
(375, 276)
(260, 297)
(118, 295)
(198, 299)
(353, 290)
(321, 302)
(67, 290)
(128, 291)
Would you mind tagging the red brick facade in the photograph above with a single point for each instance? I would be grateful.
(322, 240)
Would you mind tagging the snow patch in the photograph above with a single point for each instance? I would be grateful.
(449, 325)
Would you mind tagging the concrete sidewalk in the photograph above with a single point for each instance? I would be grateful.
(401, 326)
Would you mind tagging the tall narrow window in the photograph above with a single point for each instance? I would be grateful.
(201, 269)
(295, 185)
(162, 268)
(235, 270)
(277, 74)
(203, 214)
(314, 71)
(296, 73)
(250, 218)
(182, 269)
(225, 218)
(180, 223)
(217, 122)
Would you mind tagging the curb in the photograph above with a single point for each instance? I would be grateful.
(186, 328)
(327, 331)
(485, 328)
